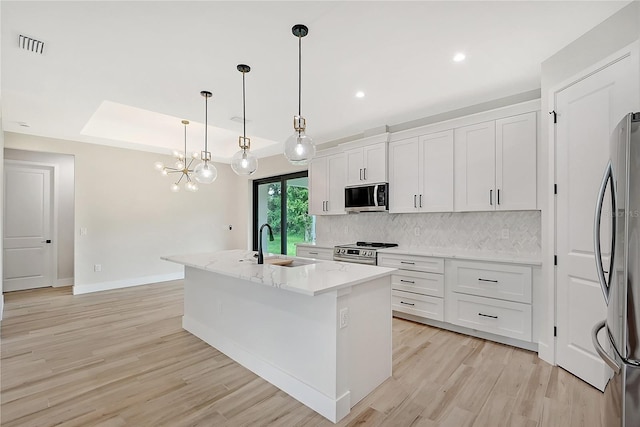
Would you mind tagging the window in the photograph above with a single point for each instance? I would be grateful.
(283, 203)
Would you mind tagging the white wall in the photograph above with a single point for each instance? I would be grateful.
(620, 30)
(132, 218)
(65, 198)
(1, 214)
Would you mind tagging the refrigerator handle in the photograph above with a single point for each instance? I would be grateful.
(596, 233)
(603, 354)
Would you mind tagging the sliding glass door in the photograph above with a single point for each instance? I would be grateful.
(283, 203)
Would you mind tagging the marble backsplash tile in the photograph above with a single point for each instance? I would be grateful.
(464, 231)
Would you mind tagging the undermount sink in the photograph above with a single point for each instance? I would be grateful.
(288, 262)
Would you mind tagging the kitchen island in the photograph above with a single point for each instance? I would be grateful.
(318, 330)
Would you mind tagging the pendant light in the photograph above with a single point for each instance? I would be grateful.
(244, 162)
(181, 166)
(299, 147)
(205, 172)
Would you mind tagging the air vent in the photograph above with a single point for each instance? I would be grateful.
(32, 45)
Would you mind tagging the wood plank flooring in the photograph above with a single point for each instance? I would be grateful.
(121, 358)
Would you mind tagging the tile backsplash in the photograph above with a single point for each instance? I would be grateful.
(513, 232)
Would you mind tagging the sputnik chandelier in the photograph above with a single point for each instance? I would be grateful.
(182, 166)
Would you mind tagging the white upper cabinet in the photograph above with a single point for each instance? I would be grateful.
(495, 165)
(516, 157)
(475, 168)
(326, 185)
(367, 164)
(421, 174)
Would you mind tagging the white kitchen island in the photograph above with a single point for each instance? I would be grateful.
(318, 330)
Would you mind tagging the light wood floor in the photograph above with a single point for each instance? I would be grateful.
(121, 358)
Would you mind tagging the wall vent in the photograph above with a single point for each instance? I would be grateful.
(32, 45)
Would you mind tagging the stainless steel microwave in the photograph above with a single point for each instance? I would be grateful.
(367, 198)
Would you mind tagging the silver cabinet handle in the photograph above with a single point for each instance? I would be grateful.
(487, 280)
(498, 196)
(365, 174)
(415, 203)
(487, 315)
(407, 281)
(608, 176)
(491, 197)
(407, 262)
(406, 303)
(421, 200)
(327, 205)
(323, 209)
(603, 354)
(361, 174)
(313, 253)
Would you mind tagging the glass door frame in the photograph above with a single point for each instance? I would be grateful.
(281, 179)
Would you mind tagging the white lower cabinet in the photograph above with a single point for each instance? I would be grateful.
(317, 252)
(490, 297)
(492, 300)
(417, 288)
(418, 304)
(506, 318)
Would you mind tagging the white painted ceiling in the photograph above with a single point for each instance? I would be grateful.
(125, 73)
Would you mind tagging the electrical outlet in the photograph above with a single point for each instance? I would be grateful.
(344, 317)
(97, 268)
(416, 231)
(505, 233)
(83, 231)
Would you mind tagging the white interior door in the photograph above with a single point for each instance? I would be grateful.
(27, 257)
(587, 113)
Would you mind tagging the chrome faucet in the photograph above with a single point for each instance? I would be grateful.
(260, 255)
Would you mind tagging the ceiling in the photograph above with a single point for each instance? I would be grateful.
(125, 73)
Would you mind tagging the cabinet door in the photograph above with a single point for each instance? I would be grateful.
(436, 172)
(475, 167)
(317, 185)
(355, 166)
(404, 164)
(336, 179)
(516, 162)
(375, 163)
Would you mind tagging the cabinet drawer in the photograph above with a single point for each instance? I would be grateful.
(506, 318)
(412, 262)
(418, 282)
(503, 281)
(317, 253)
(418, 305)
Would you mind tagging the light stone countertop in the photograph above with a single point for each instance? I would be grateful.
(310, 279)
(468, 255)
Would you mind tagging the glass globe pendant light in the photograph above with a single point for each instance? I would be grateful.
(299, 147)
(205, 172)
(181, 166)
(244, 162)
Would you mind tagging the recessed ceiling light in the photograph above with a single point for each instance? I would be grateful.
(459, 57)
(359, 94)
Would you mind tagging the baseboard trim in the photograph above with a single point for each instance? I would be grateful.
(332, 409)
(126, 283)
(63, 282)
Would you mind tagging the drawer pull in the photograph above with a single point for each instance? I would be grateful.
(406, 303)
(407, 281)
(313, 253)
(487, 315)
(407, 262)
(487, 280)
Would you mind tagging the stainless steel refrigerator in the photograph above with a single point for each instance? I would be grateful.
(621, 283)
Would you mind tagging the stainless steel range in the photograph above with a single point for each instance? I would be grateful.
(360, 252)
